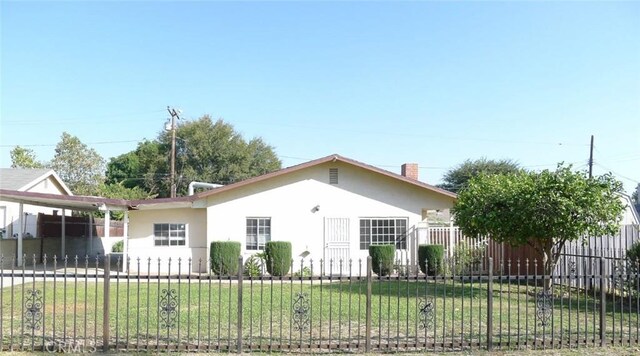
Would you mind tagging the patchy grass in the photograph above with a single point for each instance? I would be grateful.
(206, 313)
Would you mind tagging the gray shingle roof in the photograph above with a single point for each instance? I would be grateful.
(16, 178)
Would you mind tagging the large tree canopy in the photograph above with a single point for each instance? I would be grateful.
(542, 209)
(456, 178)
(79, 166)
(24, 158)
(206, 151)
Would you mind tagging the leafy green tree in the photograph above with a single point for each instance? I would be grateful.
(205, 151)
(542, 209)
(124, 170)
(79, 166)
(456, 178)
(24, 158)
(120, 191)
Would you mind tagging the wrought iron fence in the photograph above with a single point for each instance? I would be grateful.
(82, 305)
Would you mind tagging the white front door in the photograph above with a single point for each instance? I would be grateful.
(336, 245)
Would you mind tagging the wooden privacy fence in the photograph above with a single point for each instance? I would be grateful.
(581, 253)
(77, 226)
(82, 305)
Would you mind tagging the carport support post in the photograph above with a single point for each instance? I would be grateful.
(90, 252)
(63, 234)
(125, 247)
(107, 223)
(20, 217)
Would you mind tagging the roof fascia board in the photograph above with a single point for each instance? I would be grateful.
(49, 173)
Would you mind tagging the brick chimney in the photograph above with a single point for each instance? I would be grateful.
(410, 170)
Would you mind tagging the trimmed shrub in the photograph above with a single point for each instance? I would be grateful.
(224, 257)
(430, 259)
(633, 254)
(382, 258)
(278, 257)
(118, 246)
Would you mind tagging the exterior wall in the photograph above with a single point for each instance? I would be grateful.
(289, 201)
(141, 242)
(11, 210)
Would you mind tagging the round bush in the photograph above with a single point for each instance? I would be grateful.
(224, 257)
(633, 255)
(118, 246)
(278, 257)
(382, 258)
(430, 259)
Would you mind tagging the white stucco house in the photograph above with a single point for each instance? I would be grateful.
(27, 180)
(331, 208)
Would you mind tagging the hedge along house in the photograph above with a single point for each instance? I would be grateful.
(331, 208)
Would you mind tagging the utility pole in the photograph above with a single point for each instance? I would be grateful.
(174, 115)
(591, 159)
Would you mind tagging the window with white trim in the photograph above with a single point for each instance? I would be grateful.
(258, 233)
(383, 231)
(169, 234)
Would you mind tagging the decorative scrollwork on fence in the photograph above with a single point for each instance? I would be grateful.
(301, 310)
(426, 312)
(168, 308)
(33, 309)
(544, 307)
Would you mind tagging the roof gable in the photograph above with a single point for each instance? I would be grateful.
(331, 158)
(22, 179)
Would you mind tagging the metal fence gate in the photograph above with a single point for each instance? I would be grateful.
(85, 305)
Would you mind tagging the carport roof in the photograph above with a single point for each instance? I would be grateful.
(84, 203)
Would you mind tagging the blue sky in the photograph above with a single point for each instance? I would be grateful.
(386, 83)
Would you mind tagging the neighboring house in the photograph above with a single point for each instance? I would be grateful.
(331, 208)
(27, 180)
(630, 215)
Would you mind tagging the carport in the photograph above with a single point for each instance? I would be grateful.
(65, 202)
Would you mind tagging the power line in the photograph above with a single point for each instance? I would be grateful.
(79, 120)
(617, 174)
(55, 144)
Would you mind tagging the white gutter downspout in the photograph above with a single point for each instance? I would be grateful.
(193, 185)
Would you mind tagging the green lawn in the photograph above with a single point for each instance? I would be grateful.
(206, 314)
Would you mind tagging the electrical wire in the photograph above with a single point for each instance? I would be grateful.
(84, 120)
(55, 144)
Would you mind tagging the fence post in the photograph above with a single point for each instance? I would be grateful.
(603, 305)
(105, 304)
(368, 307)
(490, 307)
(452, 239)
(240, 280)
